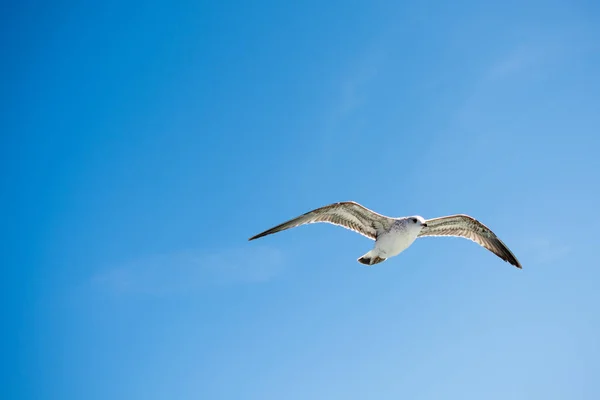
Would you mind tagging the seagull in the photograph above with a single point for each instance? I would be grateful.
(394, 235)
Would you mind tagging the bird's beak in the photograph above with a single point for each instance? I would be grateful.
(424, 225)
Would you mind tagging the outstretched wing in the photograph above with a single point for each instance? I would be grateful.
(468, 227)
(347, 214)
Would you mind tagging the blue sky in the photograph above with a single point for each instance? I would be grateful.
(144, 142)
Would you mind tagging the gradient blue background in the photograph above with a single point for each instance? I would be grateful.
(144, 142)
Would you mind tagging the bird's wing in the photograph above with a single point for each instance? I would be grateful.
(347, 214)
(468, 227)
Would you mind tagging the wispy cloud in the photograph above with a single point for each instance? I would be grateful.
(353, 90)
(520, 59)
(522, 66)
(354, 85)
(350, 93)
(532, 58)
(190, 270)
(545, 251)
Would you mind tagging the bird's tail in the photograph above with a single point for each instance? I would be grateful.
(371, 258)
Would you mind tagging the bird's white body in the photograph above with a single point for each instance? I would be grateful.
(397, 239)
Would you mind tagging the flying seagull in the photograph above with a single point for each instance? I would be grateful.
(394, 235)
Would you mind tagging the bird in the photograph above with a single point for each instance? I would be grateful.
(394, 235)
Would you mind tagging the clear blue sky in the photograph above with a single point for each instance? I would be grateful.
(144, 142)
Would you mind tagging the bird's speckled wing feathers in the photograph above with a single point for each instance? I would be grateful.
(347, 214)
(468, 227)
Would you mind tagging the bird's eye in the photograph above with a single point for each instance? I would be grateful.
(414, 220)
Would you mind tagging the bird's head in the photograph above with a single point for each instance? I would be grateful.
(417, 221)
